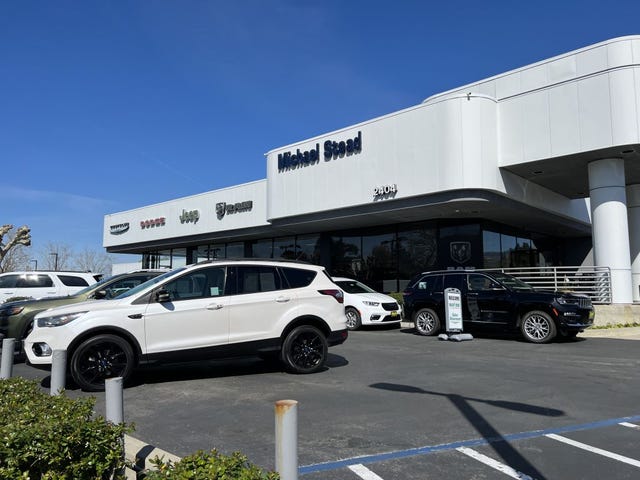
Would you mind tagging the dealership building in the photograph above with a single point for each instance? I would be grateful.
(535, 167)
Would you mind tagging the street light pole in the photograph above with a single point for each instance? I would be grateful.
(55, 261)
(36, 264)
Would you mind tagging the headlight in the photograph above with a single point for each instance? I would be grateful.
(567, 301)
(8, 311)
(371, 304)
(58, 320)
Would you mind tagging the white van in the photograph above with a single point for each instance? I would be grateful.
(39, 284)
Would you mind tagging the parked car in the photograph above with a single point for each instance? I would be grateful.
(39, 283)
(364, 306)
(498, 301)
(220, 308)
(16, 318)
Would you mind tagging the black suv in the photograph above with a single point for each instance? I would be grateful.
(496, 300)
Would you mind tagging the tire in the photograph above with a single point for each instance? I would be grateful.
(101, 357)
(538, 327)
(354, 321)
(426, 322)
(304, 350)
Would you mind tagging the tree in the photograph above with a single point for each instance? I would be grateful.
(92, 261)
(22, 237)
(56, 256)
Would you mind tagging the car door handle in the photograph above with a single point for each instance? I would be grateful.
(214, 306)
(283, 299)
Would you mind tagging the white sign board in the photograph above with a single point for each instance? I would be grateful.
(453, 309)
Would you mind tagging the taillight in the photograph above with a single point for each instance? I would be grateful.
(337, 294)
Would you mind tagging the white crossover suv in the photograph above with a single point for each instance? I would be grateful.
(365, 306)
(221, 308)
(40, 284)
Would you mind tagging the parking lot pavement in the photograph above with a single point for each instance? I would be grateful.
(393, 392)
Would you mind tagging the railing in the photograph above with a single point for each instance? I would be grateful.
(595, 282)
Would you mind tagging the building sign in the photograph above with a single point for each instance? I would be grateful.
(154, 222)
(119, 228)
(191, 216)
(224, 208)
(460, 252)
(331, 151)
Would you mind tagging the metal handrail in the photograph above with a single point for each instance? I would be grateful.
(595, 282)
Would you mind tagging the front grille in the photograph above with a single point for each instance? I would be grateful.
(584, 303)
(389, 307)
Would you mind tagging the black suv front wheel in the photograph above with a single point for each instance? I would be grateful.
(304, 350)
(538, 327)
(426, 322)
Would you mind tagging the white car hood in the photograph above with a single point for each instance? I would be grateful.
(89, 306)
(373, 297)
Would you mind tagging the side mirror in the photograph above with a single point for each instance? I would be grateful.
(162, 296)
(100, 294)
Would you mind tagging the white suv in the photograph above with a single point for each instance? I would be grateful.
(211, 309)
(39, 284)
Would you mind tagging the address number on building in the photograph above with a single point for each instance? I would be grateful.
(384, 189)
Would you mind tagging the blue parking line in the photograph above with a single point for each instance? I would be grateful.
(323, 467)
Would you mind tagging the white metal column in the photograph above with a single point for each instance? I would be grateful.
(633, 213)
(610, 227)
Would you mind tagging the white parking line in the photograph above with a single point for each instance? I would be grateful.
(630, 425)
(364, 473)
(599, 451)
(494, 463)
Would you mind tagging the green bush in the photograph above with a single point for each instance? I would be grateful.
(45, 437)
(209, 466)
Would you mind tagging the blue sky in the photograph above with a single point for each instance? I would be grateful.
(112, 105)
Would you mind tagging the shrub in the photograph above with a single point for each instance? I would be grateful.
(209, 466)
(55, 437)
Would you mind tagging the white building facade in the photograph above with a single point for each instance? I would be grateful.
(537, 166)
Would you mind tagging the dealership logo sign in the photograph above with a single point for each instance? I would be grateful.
(224, 208)
(331, 151)
(151, 223)
(191, 216)
(460, 251)
(119, 228)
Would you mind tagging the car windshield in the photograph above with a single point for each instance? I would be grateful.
(152, 281)
(353, 286)
(512, 282)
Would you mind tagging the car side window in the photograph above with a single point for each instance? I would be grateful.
(34, 281)
(453, 280)
(8, 281)
(430, 283)
(297, 277)
(120, 286)
(478, 283)
(73, 281)
(257, 278)
(201, 283)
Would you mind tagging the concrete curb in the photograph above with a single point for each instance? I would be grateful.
(139, 455)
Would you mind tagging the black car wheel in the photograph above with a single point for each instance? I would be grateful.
(99, 358)
(354, 321)
(427, 322)
(304, 350)
(538, 327)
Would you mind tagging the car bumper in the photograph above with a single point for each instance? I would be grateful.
(577, 319)
(337, 337)
(378, 316)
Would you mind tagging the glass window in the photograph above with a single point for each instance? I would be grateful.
(480, 283)
(453, 281)
(254, 279)
(8, 281)
(491, 249)
(379, 262)
(284, 247)
(201, 253)
(417, 252)
(178, 257)
(201, 283)
(163, 259)
(73, 281)
(218, 251)
(508, 244)
(235, 250)
(346, 257)
(34, 281)
(308, 248)
(298, 277)
(262, 248)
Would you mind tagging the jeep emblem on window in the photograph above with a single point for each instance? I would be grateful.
(460, 251)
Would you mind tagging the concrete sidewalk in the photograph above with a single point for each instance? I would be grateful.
(626, 333)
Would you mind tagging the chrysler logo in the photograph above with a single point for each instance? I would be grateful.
(119, 229)
(223, 208)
